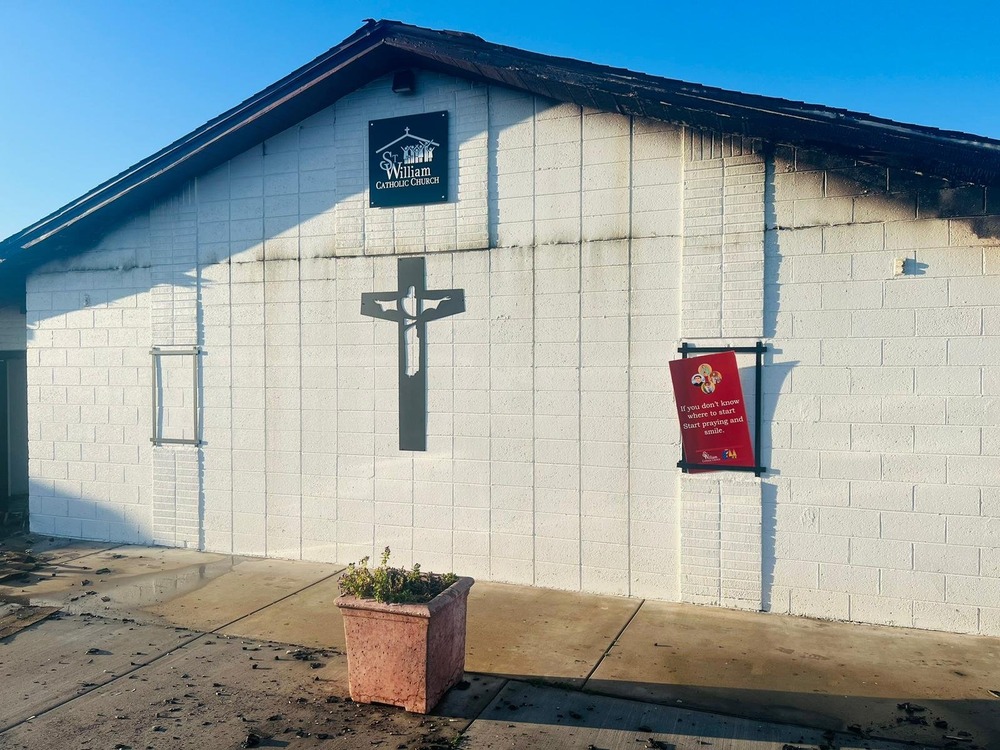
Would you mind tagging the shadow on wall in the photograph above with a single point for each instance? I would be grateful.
(840, 236)
(768, 548)
(274, 202)
(895, 194)
(776, 375)
(58, 513)
(256, 219)
(808, 195)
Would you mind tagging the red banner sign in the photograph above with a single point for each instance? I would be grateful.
(711, 410)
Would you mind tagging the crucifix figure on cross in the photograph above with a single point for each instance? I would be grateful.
(411, 306)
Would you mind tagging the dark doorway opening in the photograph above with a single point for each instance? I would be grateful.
(13, 437)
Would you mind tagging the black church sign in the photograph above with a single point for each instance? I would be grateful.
(411, 305)
(408, 160)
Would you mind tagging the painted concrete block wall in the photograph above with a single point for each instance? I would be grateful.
(588, 245)
(88, 329)
(548, 452)
(500, 490)
(883, 503)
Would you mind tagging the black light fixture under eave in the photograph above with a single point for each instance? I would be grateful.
(404, 82)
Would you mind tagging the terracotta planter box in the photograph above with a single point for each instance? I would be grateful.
(406, 655)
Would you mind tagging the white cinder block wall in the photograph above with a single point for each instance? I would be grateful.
(88, 335)
(588, 245)
(885, 503)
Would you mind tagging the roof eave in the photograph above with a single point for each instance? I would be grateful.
(380, 47)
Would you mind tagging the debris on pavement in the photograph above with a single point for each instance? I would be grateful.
(197, 692)
(17, 617)
(14, 564)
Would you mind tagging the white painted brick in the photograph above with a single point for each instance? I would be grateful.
(947, 499)
(888, 322)
(882, 610)
(972, 591)
(972, 410)
(821, 380)
(849, 579)
(912, 585)
(827, 269)
(973, 351)
(791, 185)
(848, 465)
(950, 617)
(913, 410)
(796, 574)
(946, 439)
(972, 531)
(821, 323)
(832, 605)
(912, 292)
(810, 492)
(882, 553)
(989, 562)
(947, 381)
(822, 212)
(796, 463)
(916, 468)
(812, 547)
(877, 438)
(849, 522)
(922, 527)
(908, 235)
(922, 351)
(885, 207)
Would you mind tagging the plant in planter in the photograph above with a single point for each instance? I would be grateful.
(405, 632)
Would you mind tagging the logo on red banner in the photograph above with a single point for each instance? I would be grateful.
(711, 411)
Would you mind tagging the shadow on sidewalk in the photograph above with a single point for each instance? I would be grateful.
(646, 709)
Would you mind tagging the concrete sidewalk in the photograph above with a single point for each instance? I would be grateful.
(547, 668)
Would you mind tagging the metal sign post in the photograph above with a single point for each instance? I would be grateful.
(758, 349)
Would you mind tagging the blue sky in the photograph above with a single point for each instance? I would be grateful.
(89, 88)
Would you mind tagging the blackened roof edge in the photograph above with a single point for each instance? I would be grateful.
(382, 46)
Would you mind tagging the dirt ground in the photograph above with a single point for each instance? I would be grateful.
(211, 692)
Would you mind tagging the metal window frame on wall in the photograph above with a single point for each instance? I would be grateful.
(157, 439)
(686, 349)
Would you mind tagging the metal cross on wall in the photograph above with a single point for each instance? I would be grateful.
(411, 305)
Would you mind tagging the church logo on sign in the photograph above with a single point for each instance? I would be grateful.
(408, 160)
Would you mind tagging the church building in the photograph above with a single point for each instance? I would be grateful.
(424, 291)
